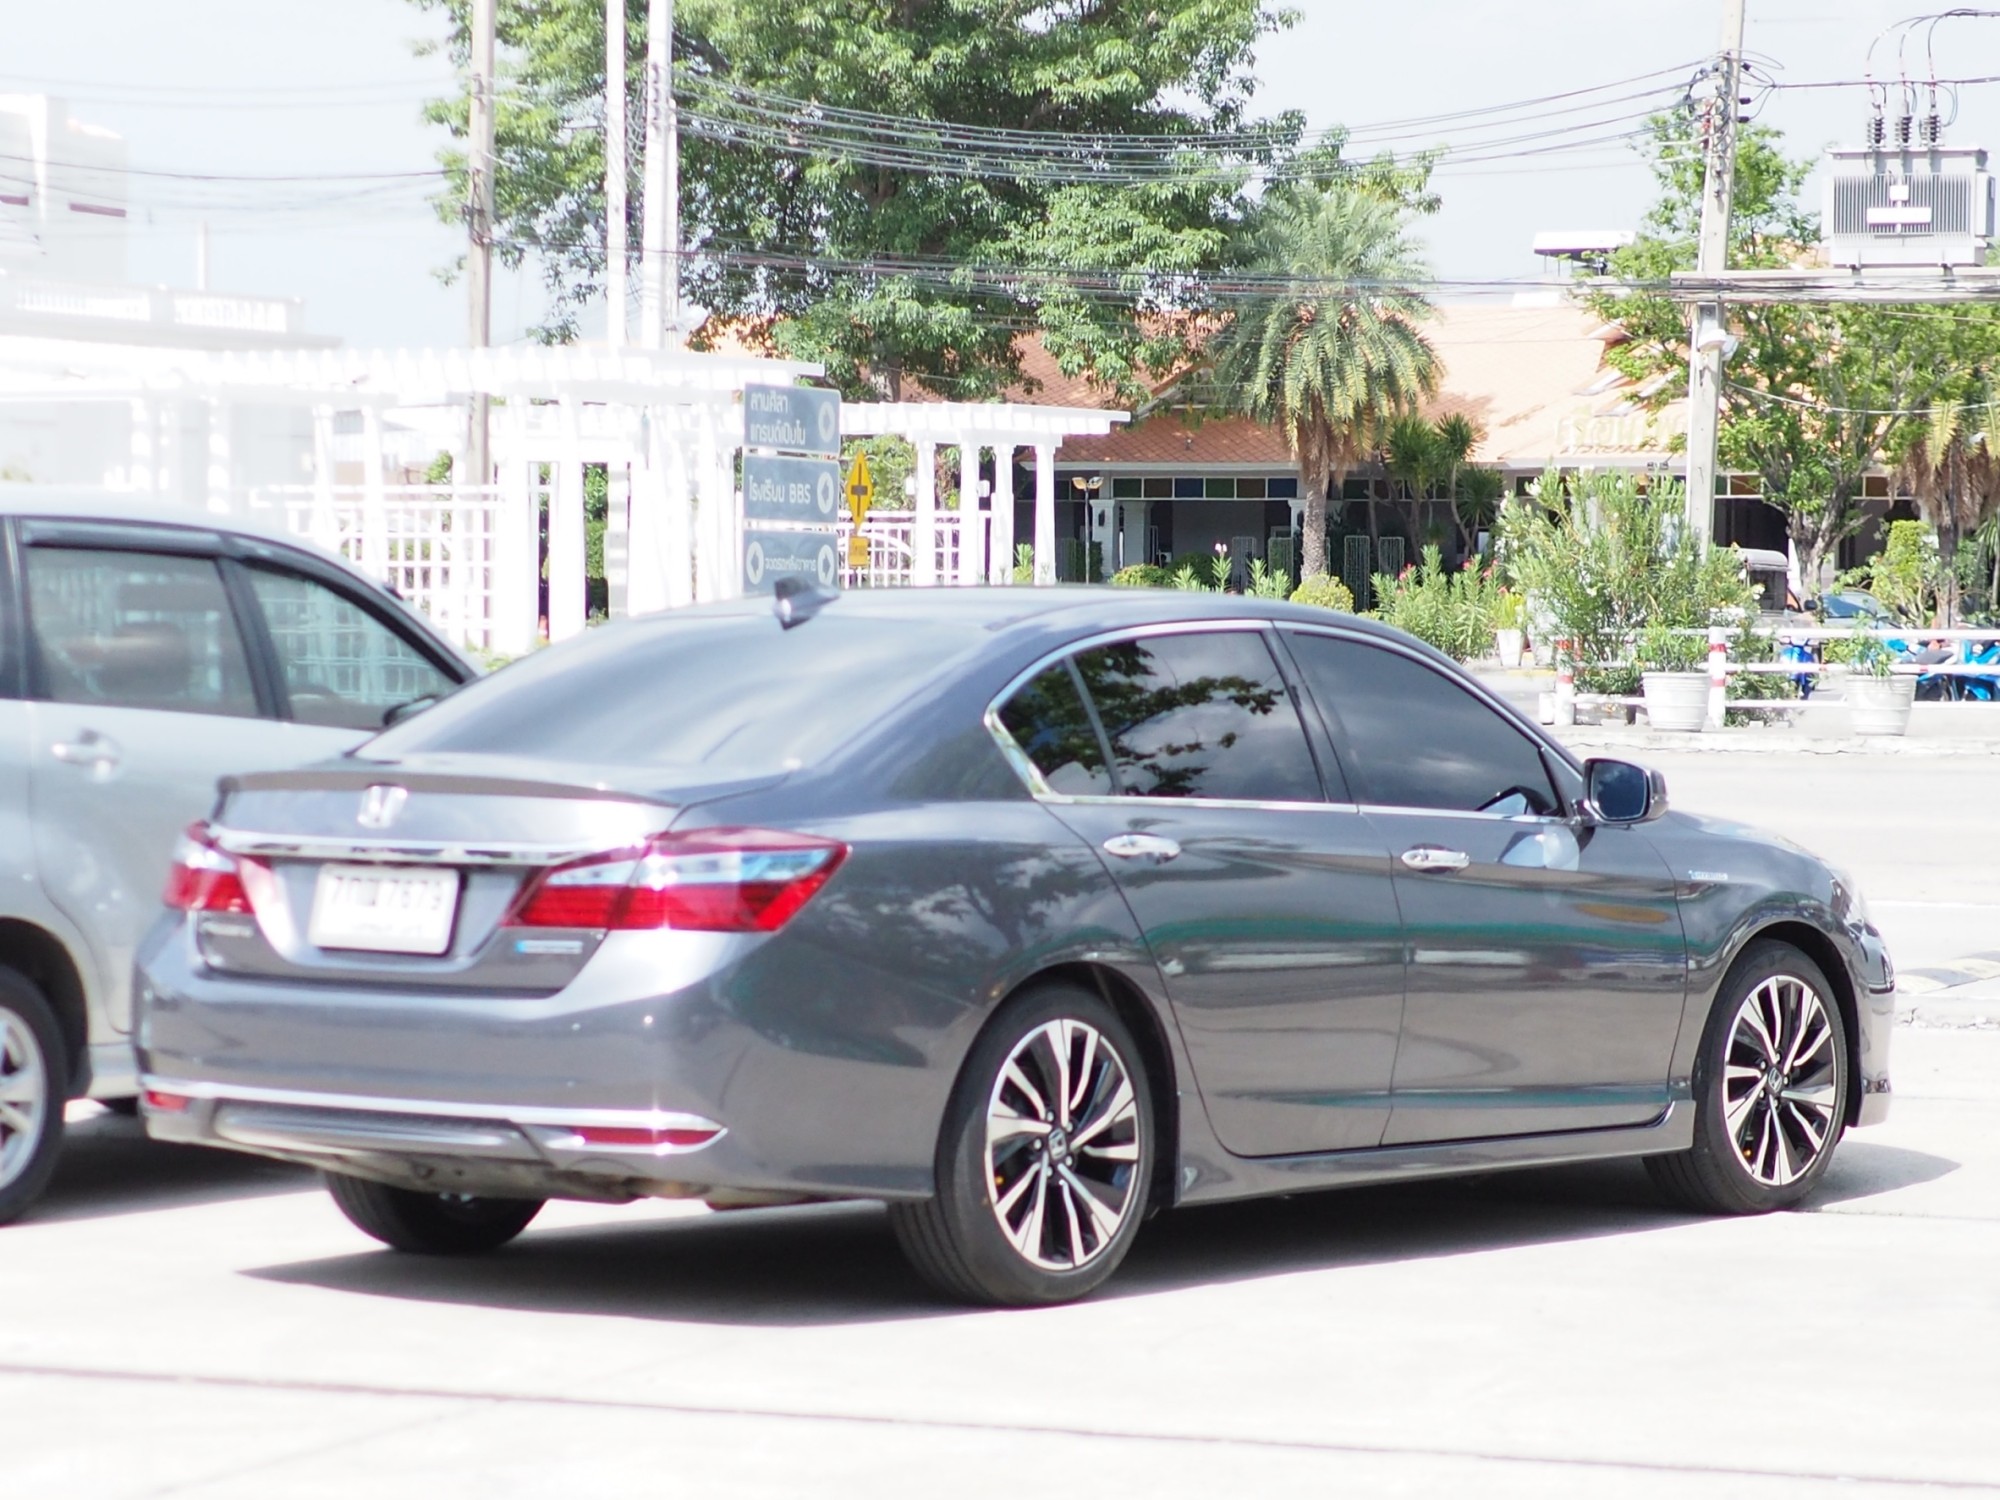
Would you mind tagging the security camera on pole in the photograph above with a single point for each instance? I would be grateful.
(1709, 343)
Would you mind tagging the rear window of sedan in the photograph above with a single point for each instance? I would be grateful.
(738, 691)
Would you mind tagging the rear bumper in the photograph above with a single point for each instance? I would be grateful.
(825, 1079)
(1875, 1005)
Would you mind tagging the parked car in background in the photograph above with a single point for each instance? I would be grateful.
(144, 652)
(1026, 910)
(1857, 606)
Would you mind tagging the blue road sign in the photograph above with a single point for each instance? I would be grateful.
(792, 491)
(792, 419)
(770, 555)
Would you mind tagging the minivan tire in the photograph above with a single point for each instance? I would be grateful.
(430, 1223)
(33, 1075)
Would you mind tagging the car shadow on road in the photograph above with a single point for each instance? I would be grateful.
(838, 1263)
(109, 1166)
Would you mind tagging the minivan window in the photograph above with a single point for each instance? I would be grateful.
(136, 630)
(1411, 737)
(1049, 722)
(1205, 714)
(343, 667)
(739, 692)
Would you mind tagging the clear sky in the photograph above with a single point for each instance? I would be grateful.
(304, 87)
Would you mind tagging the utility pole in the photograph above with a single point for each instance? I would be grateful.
(615, 173)
(659, 241)
(479, 228)
(1706, 335)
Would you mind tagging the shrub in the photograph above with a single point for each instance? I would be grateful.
(1326, 591)
(1141, 576)
(1451, 611)
(1604, 556)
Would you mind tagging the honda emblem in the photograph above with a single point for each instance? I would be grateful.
(380, 804)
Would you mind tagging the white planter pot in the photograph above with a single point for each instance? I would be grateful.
(1881, 705)
(1510, 644)
(1676, 700)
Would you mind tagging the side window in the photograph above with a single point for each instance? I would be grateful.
(136, 630)
(1411, 737)
(343, 667)
(1200, 715)
(1049, 722)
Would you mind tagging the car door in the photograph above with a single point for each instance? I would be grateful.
(1182, 756)
(158, 665)
(1547, 964)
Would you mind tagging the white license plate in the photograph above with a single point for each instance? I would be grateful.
(380, 910)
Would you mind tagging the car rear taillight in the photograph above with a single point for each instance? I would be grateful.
(203, 877)
(712, 880)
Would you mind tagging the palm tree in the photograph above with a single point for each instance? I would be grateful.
(1336, 352)
(1951, 460)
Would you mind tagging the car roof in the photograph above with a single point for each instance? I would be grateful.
(1062, 606)
(84, 503)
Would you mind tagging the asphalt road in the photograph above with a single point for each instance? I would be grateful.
(181, 1323)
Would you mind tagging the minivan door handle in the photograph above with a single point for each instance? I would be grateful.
(90, 750)
(1141, 846)
(1430, 857)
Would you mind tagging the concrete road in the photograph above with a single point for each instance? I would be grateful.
(185, 1325)
(179, 1323)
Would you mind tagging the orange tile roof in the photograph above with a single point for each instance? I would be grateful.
(1533, 379)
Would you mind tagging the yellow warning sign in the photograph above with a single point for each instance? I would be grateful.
(860, 495)
(860, 488)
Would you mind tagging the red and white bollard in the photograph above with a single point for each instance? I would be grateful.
(1565, 684)
(1718, 676)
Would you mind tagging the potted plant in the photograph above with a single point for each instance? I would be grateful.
(1879, 700)
(1510, 620)
(1672, 677)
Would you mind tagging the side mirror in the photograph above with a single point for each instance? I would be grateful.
(1616, 791)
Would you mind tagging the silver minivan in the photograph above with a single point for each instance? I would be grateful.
(146, 651)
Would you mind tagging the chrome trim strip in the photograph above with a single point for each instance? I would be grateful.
(289, 1128)
(1537, 820)
(513, 1114)
(391, 851)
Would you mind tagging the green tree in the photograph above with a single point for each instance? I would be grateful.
(1950, 456)
(1814, 394)
(873, 260)
(1334, 356)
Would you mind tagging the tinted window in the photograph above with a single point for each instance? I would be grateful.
(1204, 715)
(736, 691)
(1411, 737)
(1049, 722)
(343, 666)
(136, 629)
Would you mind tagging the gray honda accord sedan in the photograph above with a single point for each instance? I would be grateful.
(1027, 911)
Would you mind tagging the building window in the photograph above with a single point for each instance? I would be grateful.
(1125, 488)
(1158, 487)
(1218, 489)
(1282, 489)
(1187, 487)
(1250, 489)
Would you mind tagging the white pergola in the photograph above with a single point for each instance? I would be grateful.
(666, 424)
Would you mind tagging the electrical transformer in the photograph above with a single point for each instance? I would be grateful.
(1909, 205)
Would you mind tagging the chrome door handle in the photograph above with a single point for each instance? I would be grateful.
(90, 749)
(1141, 846)
(1431, 857)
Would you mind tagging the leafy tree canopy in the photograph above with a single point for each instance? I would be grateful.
(893, 270)
(1816, 395)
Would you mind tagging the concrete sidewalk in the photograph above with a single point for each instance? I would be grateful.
(1822, 728)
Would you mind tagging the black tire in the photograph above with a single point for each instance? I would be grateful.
(1056, 1195)
(430, 1223)
(1785, 1127)
(34, 1077)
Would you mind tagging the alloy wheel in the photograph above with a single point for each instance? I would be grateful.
(24, 1095)
(1062, 1145)
(1780, 1085)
